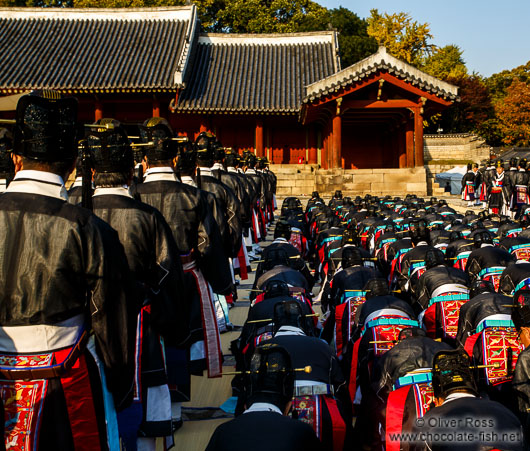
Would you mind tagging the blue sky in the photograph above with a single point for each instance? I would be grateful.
(493, 34)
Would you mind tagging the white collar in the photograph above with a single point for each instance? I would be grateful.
(263, 407)
(250, 171)
(187, 180)
(205, 171)
(454, 396)
(231, 169)
(280, 239)
(289, 330)
(116, 191)
(78, 182)
(218, 166)
(38, 182)
(164, 173)
(3, 185)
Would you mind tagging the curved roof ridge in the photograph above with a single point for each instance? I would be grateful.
(380, 59)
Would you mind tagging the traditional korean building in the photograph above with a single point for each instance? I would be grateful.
(282, 95)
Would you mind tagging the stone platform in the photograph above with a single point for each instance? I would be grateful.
(297, 180)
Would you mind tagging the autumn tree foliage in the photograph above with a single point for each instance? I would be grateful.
(445, 63)
(403, 37)
(513, 113)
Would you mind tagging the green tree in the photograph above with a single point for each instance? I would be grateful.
(272, 16)
(499, 83)
(403, 37)
(37, 3)
(354, 42)
(445, 62)
(473, 110)
(513, 113)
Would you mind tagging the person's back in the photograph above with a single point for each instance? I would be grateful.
(64, 276)
(263, 426)
(263, 430)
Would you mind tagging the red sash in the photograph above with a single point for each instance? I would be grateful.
(212, 340)
(395, 410)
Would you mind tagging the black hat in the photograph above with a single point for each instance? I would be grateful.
(434, 257)
(499, 164)
(46, 127)
(288, 313)
(231, 158)
(481, 238)
(418, 230)
(271, 374)
(522, 163)
(250, 159)
(275, 257)
(480, 286)
(110, 147)
(349, 236)
(158, 131)
(351, 256)
(7, 168)
(451, 372)
(276, 288)
(218, 151)
(521, 309)
(187, 160)
(513, 162)
(376, 287)
(338, 194)
(204, 145)
(283, 229)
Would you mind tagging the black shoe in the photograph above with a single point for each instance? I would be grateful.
(176, 425)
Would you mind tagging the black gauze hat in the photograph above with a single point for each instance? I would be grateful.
(271, 372)
(351, 256)
(46, 127)
(434, 257)
(288, 313)
(110, 147)
(157, 130)
(521, 309)
(6, 147)
(276, 288)
(451, 372)
(376, 287)
(187, 160)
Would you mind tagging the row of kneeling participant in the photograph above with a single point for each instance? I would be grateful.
(421, 343)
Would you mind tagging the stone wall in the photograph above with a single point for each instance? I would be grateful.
(298, 180)
(462, 146)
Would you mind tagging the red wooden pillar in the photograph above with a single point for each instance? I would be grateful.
(402, 149)
(312, 145)
(324, 155)
(410, 143)
(337, 139)
(156, 108)
(259, 137)
(418, 136)
(98, 110)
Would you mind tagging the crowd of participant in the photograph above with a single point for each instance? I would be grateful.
(422, 341)
(108, 307)
(503, 190)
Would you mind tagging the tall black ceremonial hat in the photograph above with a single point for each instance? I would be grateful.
(288, 313)
(110, 147)
(231, 158)
(499, 164)
(271, 372)
(46, 127)
(451, 372)
(521, 309)
(6, 147)
(218, 151)
(204, 145)
(157, 131)
(187, 157)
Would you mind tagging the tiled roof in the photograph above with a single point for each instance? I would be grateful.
(95, 50)
(258, 73)
(380, 61)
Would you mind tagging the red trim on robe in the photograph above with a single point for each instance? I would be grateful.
(80, 405)
(395, 410)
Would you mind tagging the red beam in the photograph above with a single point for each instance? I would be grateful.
(368, 104)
